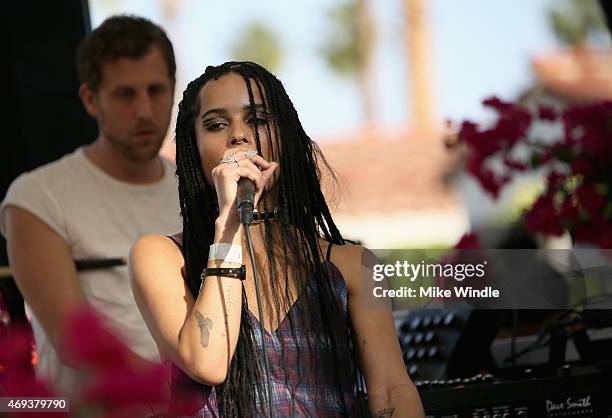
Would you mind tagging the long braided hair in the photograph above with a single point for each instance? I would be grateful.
(304, 218)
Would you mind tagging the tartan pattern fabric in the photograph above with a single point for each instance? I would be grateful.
(292, 397)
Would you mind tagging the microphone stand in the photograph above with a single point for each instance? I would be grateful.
(246, 217)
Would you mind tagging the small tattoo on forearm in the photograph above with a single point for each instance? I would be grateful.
(384, 413)
(205, 324)
(230, 302)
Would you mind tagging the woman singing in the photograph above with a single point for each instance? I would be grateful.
(236, 121)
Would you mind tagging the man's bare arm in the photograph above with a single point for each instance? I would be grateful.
(44, 271)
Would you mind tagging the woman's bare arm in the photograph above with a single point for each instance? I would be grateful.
(198, 335)
(391, 393)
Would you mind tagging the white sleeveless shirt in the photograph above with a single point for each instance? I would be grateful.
(99, 217)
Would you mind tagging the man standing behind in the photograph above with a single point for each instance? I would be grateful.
(96, 201)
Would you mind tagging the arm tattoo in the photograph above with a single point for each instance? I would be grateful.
(384, 413)
(204, 323)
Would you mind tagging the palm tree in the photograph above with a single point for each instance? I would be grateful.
(259, 44)
(575, 21)
(349, 49)
(419, 47)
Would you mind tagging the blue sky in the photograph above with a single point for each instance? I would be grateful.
(480, 48)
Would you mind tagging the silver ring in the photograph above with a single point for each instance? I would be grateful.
(250, 154)
(229, 159)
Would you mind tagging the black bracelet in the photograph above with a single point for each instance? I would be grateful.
(234, 272)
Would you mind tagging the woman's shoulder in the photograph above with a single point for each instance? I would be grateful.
(348, 259)
(159, 248)
(177, 239)
(341, 252)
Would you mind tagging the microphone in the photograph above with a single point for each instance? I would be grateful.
(246, 200)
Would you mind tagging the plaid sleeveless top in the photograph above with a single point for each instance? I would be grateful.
(290, 396)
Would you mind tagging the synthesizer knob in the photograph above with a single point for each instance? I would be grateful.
(413, 369)
(421, 353)
(405, 327)
(406, 340)
(409, 355)
(432, 352)
(450, 319)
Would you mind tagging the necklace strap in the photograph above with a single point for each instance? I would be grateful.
(259, 217)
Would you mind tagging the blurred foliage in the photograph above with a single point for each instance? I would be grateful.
(521, 197)
(575, 21)
(342, 49)
(348, 47)
(258, 43)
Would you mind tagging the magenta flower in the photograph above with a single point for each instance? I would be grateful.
(579, 201)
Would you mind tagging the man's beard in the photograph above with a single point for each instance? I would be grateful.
(136, 153)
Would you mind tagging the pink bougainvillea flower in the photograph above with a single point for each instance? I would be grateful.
(118, 382)
(547, 113)
(90, 344)
(468, 241)
(590, 199)
(497, 104)
(580, 200)
(124, 386)
(489, 180)
(569, 212)
(17, 377)
(514, 164)
(596, 231)
(542, 217)
(482, 144)
(581, 166)
(555, 179)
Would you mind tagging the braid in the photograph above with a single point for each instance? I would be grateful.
(198, 210)
(305, 217)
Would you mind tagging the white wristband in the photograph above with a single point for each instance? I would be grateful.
(229, 253)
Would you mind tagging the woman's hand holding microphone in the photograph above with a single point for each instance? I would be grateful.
(234, 166)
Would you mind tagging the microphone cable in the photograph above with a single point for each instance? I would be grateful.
(247, 230)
